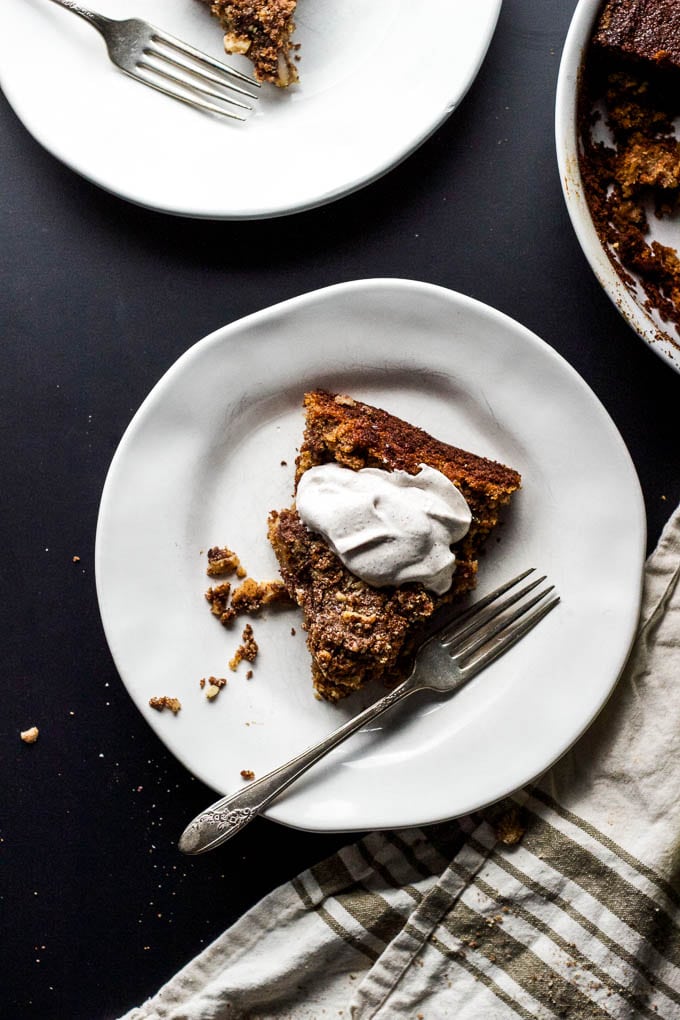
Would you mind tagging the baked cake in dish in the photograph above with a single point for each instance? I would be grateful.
(357, 633)
(647, 30)
(262, 30)
(629, 151)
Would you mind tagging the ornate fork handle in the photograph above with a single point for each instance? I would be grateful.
(227, 816)
(98, 20)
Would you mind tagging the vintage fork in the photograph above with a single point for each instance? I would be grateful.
(167, 64)
(444, 663)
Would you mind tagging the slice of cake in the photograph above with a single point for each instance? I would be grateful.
(357, 632)
(646, 30)
(262, 30)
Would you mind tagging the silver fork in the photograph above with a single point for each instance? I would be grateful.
(165, 63)
(444, 663)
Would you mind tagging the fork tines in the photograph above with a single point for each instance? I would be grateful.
(494, 624)
(180, 64)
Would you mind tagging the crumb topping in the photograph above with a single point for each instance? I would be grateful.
(218, 597)
(263, 31)
(252, 595)
(174, 704)
(247, 650)
(223, 561)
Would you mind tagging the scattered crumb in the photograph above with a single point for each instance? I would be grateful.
(30, 736)
(247, 774)
(214, 686)
(293, 631)
(252, 595)
(509, 828)
(76, 559)
(218, 598)
(174, 704)
(223, 561)
(249, 675)
(284, 463)
(247, 649)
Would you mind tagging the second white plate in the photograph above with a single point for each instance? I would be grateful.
(376, 81)
(211, 452)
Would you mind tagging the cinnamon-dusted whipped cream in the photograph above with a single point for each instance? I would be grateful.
(387, 527)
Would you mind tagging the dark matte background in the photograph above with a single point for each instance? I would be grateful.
(97, 299)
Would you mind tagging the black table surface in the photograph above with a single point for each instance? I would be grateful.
(97, 299)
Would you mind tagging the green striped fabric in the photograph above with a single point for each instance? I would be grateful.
(563, 901)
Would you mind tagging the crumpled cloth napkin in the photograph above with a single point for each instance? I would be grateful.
(563, 901)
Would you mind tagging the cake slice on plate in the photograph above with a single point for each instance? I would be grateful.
(360, 630)
(261, 30)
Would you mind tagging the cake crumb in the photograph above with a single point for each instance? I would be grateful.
(222, 560)
(174, 704)
(75, 559)
(509, 828)
(252, 595)
(247, 650)
(30, 735)
(247, 774)
(249, 675)
(212, 686)
(218, 597)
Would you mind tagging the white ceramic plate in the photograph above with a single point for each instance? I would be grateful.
(662, 337)
(375, 83)
(201, 464)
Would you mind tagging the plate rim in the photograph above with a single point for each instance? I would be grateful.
(223, 335)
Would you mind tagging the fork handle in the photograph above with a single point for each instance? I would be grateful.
(227, 816)
(98, 20)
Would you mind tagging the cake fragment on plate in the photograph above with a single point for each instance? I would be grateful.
(261, 30)
(356, 632)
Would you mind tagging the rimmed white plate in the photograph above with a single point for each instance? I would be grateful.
(628, 297)
(376, 81)
(202, 463)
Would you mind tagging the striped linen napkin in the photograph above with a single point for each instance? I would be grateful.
(563, 901)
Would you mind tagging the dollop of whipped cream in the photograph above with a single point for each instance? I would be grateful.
(387, 527)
